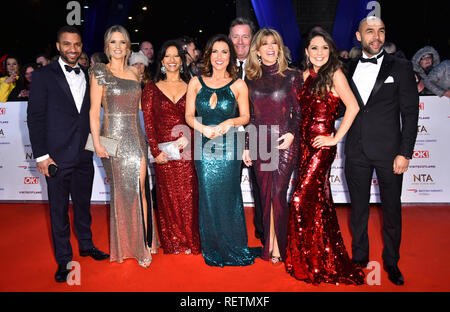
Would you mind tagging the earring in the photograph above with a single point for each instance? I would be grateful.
(163, 69)
(181, 69)
(259, 59)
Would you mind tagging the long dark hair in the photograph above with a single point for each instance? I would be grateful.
(21, 79)
(206, 67)
(159, 75)
(324, 79)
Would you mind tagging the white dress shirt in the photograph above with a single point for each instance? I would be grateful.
(365, 76)
(77, 84)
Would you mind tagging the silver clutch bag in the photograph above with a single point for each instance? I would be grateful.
(111, 145)
(170, 148)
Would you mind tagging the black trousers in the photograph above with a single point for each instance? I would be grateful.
(258, 212)
(358, 172)
(76, 181)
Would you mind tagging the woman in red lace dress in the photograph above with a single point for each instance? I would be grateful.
(163, 105)
(315, 251)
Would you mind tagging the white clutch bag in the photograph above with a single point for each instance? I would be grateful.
(111, 145)
(170, 148)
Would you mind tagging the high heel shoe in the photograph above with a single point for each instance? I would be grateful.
(276, 260)
(145, 263)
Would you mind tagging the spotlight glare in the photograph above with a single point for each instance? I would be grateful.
(144, 8)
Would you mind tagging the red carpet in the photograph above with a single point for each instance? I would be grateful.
(27, 262)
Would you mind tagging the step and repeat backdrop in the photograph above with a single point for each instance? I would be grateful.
(426, 181)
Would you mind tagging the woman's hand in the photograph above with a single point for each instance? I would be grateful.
(246, 158)
(162, 158)
(223, 127)
(324, 140)
(100, 151)
(182, 142)
(209, 132)
(11, 78)
(287, 138)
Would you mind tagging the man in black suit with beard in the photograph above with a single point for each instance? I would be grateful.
(382, 137)
(58, 124)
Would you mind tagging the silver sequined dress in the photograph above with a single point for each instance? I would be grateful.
(120, 101)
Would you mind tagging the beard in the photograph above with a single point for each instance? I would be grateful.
(67, 59)
(366, 47)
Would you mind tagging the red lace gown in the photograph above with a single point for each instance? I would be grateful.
(315, 248)
(176, 181)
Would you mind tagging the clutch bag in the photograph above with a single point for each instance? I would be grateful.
(111, 145)
(170, 148)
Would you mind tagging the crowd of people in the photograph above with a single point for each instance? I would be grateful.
(432, 75)
(195, 107)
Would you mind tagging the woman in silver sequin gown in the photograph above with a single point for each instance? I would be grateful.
(116, 87)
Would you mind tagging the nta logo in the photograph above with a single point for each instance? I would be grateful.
(422, 177)
(421, 129)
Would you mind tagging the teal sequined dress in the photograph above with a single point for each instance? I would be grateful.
(222, 226)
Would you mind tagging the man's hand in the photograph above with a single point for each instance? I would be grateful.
(43, 166)
(400, 164)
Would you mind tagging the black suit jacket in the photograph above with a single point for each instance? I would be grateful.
(54, 124)
(387, 125)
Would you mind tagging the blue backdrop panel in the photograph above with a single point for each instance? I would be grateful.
(348, 15)
(280, 15)
(100, 15)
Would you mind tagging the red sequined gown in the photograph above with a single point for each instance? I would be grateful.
(316, 251)
(176, 181)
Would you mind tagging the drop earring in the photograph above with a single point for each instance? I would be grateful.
(259, 60)
(163, 69)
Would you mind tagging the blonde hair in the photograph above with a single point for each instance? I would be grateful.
(253, 68)
(107, 38)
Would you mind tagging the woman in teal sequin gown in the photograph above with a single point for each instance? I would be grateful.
(221, 104)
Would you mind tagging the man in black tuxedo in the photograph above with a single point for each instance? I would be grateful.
(382, 137)
(58, 124)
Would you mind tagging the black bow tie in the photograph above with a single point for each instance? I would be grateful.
(372, 60)
(69, 69)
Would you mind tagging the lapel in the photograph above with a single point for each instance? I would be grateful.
(86, 93)
(64, 85)
(351, 70)
(385, 69)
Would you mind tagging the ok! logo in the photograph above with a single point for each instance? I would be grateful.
(31, 180)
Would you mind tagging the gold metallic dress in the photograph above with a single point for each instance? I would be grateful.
(120, 101)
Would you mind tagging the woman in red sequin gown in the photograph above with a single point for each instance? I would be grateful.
(316, 251)
(163, 105)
